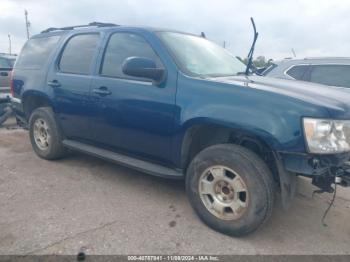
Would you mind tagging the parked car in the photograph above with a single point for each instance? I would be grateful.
(160, 102)
(6, 64)
(327, 71)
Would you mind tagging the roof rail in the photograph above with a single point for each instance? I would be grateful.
(327, 57)
(96, 24)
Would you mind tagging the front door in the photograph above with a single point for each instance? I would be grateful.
(70, 80)
(134, 114)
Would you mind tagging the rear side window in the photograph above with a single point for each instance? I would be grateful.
(36, 52)
(122, 46)
(333, 75)
(78, 54)
(297, 72)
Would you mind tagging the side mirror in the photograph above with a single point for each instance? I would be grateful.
(142, 67)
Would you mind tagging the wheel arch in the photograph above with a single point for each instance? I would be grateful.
(33, 99)
(203, 134)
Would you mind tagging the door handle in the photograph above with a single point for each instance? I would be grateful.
(102, 91)
(4, 74)
(53, 83)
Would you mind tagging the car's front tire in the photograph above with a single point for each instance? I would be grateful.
(45, 135)
(230, 188)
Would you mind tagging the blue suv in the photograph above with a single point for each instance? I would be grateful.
(176, 105)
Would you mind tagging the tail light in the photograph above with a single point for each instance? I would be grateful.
(12, 84)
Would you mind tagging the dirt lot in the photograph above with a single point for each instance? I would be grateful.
(82, 202)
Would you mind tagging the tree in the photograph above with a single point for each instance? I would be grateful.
(259, 62)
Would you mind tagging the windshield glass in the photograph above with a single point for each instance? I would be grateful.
(197, 56)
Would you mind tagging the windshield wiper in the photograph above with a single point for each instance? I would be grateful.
(251, 51)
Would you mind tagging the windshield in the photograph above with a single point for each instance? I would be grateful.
(197, 56)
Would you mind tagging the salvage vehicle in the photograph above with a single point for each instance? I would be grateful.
(176, 105)
(331, 71)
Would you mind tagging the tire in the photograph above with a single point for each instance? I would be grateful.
(247, 201)
(42, 119)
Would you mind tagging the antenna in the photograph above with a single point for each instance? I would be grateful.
(251, 51)
(27, 22)
(293, 51)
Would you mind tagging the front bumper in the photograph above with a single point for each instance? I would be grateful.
(345, 177)
(313, 165)
(324, 170)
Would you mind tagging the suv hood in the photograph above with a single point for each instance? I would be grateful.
(335, 99)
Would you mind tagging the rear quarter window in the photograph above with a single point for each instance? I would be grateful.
(36, 52)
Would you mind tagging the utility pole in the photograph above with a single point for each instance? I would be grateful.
(224, 44)
(27, 22)
(9, 36)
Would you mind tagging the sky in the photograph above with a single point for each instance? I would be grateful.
(310, 27)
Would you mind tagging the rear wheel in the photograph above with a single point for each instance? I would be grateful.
(230, 188)
(45, 135)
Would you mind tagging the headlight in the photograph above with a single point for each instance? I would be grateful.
(325, 136)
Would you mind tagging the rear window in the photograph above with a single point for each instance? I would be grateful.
(36, 52)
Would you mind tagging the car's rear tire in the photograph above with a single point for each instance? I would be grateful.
(230, 188)
(45, 135)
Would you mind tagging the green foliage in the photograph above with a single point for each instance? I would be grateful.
(259, 62)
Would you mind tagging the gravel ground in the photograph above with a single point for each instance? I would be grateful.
(85, 203)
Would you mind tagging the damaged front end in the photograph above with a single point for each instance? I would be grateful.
(323, 170)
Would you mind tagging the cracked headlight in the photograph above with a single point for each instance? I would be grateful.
(326, 136)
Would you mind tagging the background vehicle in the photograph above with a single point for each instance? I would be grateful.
(159, 102)
(327, 71)
(6, 64)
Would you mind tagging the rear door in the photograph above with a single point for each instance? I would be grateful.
(69, 79)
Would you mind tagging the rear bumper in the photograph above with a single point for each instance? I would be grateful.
(17, 108)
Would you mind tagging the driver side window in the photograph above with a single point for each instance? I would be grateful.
(121, 46)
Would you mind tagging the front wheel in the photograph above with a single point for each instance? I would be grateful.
(230, 188)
